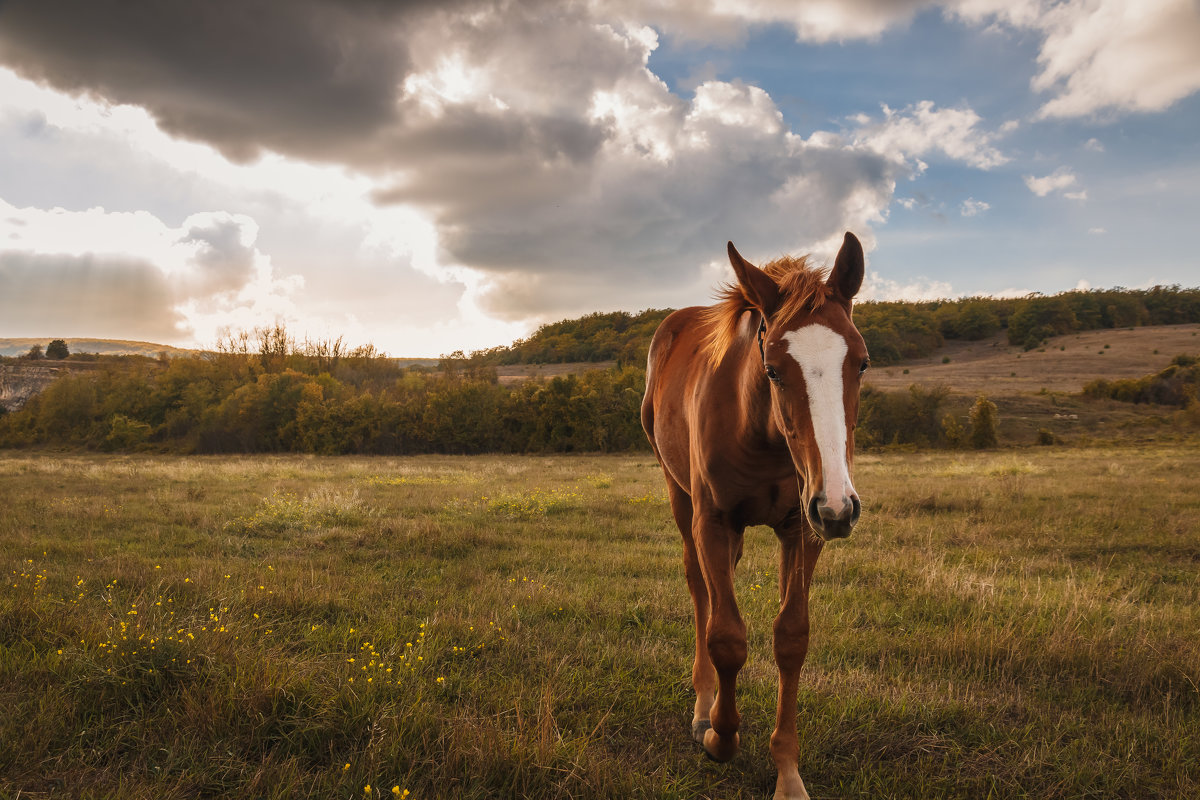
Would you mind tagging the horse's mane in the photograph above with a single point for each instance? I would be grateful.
(801, 288)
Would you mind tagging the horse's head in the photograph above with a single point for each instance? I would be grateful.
(813, 359)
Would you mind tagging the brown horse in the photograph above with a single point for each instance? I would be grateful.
(750, 406)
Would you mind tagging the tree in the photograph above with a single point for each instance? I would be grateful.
(57, 350)
(983, 423)
(35, 353)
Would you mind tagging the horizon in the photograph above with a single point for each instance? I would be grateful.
(9, 348)
(462, 175)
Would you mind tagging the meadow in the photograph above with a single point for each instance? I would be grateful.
(1016, 623)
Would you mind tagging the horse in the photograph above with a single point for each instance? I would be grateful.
(750, 407)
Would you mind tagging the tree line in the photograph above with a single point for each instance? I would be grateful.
(894, 331)
(262, 392)
(614, 336)
(277, 401)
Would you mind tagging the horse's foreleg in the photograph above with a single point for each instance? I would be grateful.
(719, 547)
(798, 556)
(704, 677)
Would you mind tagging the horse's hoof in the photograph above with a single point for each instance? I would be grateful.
(790, 787)
(720, 748)
(699, 727)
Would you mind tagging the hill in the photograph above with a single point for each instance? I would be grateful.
(1064, 364)
(105, 347)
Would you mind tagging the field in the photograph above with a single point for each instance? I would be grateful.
(1002, 624)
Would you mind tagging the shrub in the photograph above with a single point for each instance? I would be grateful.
(901, 417)
(125, 433)
(953, 431)
(984, 420)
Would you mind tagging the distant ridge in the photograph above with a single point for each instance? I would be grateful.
(104, 347)
(19, 346)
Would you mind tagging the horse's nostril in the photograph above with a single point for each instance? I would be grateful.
(814, 511)
(857, 509)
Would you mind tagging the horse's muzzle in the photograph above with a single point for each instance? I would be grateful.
(830, 524)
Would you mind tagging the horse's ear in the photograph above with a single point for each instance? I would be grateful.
(847, 275)
(760, 289)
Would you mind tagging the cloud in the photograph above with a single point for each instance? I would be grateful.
(921, 130)
(813, 21)
(1105, 55)
(1056, 181)
(98, 273)
(879, 288)
(972, 207)
(84, 295)
(1125, 55)
(557, 170)
(1095, 55)
(314, 78)
(520, 150)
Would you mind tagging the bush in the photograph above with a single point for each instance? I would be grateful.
(984, 420)
(126, 434)
(1176, 385)
(901, 417)
(953, 431)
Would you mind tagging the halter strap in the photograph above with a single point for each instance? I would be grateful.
(762, 329)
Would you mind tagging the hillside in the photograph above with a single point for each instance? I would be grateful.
(105, 347)
(994, 367)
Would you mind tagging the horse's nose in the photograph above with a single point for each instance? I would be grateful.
(830, 523)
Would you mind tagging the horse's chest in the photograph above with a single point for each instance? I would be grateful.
(766, 504)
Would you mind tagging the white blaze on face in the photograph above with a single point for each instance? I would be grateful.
(821, 354)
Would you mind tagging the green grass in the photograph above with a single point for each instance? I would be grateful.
(1005, 624)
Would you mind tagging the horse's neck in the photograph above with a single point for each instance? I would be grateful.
(756, 425)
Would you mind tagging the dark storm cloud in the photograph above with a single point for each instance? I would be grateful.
(551, 160)
(306, 77)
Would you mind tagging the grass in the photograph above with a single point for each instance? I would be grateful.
(1006, 624)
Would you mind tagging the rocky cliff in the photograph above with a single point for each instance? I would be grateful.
(19, 382)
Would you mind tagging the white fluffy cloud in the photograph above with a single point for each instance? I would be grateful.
(1104, 55)
(923, 129)
(1058, 181)
(876, 287)
(1127, 55)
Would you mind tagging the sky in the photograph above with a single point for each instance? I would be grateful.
(433, 176)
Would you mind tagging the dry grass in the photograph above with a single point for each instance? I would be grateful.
(1065, 364)
(1016, 624)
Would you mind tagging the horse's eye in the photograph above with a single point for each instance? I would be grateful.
(772, 374)
(866, 362)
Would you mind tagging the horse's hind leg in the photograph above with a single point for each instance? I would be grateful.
(704, 676)
(719, 546)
